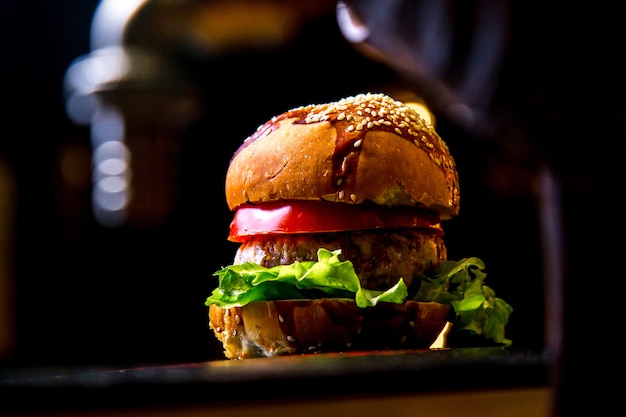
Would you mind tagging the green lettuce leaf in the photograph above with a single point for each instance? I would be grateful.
(458, 283)
(476, 307)
(328, 277)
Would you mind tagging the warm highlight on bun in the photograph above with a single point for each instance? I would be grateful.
(274, 328)
(366, 148)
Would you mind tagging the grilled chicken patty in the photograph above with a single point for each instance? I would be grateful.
(380, 257)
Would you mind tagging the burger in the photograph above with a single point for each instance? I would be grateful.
(337, 211)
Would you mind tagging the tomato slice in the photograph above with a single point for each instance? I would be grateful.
(317, 216)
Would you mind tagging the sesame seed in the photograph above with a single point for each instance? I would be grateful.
(341, 116)
(353, 197)
(290, 339)
(398, 131)
(281, 318)
(350, 128)
(411, 323)
(358, 143)
(237, 318)
(340, 194)
(234, 333)
(403, 339)
(339, 181)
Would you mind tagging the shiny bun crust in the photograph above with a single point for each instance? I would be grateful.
(369, 147)
(274, 328)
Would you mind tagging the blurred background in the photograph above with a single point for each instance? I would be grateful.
(121, 117)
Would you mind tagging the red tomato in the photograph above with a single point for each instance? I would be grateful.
(314, 217)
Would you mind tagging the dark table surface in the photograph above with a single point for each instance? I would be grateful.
(306, 376)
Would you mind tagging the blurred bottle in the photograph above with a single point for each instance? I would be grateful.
(138, 105)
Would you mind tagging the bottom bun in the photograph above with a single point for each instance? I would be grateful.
(273, 328)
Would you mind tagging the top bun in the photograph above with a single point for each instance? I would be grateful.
(366, 148)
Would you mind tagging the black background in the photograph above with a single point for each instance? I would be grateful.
(87, 295)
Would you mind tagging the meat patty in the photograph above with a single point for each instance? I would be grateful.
(380, 257)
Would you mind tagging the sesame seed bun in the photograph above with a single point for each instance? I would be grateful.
(275, 328)
(366, 148)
